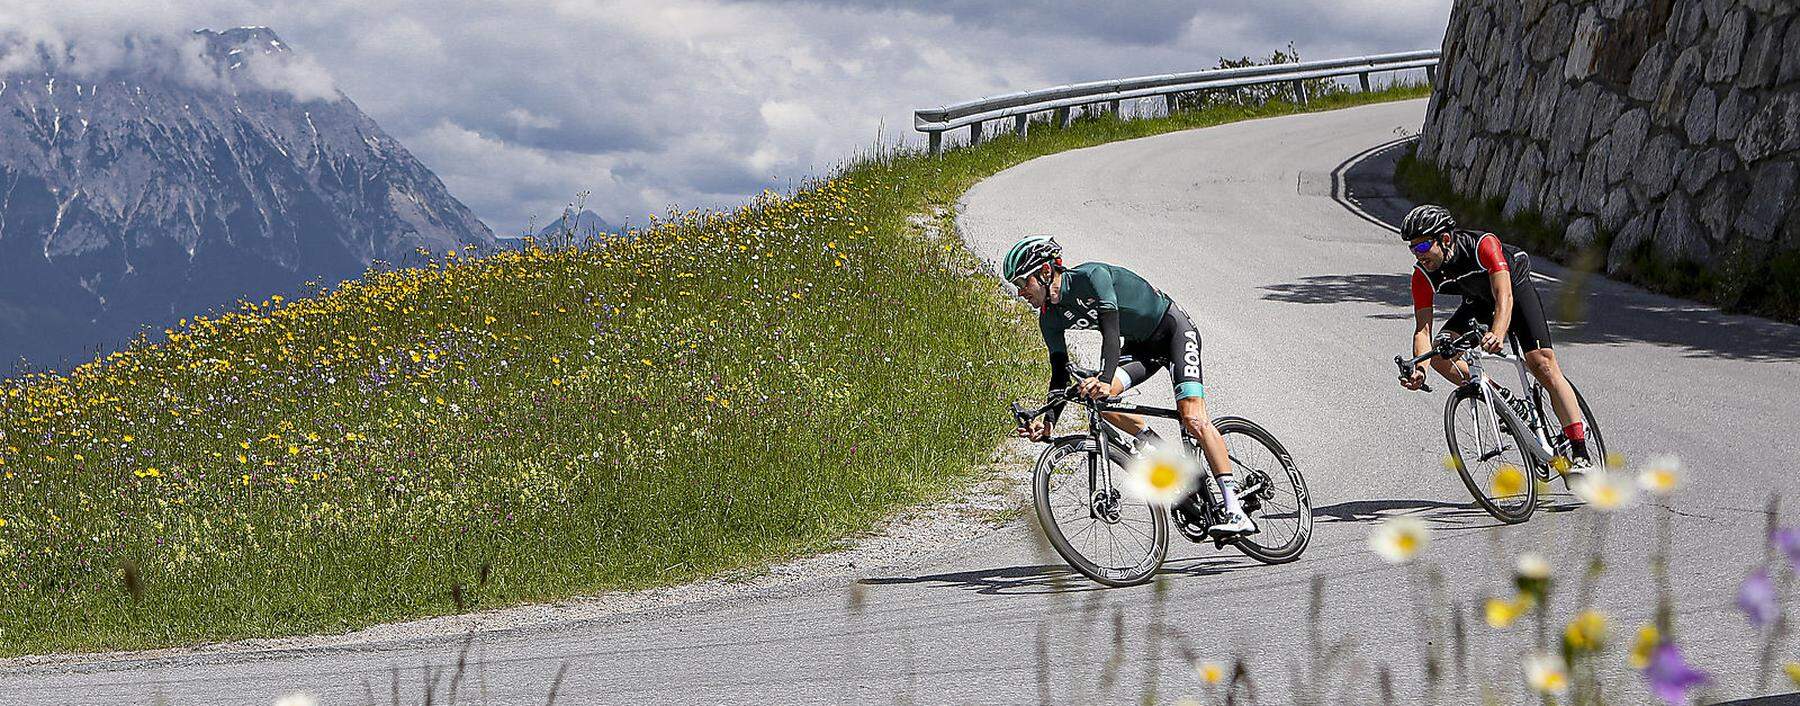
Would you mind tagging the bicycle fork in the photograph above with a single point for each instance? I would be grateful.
(1103, 498)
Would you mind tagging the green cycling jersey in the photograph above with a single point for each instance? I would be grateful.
(1092, 287)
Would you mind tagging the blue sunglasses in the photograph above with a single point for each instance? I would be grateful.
(1423, 246)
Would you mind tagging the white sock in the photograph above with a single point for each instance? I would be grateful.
(1229, 489)
(1210, 485)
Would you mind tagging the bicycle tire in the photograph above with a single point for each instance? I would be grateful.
(1470, 395)
(1137, 572)
(1596, 440)
(1296, 499)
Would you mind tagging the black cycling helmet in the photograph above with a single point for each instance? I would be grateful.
(1425, 222)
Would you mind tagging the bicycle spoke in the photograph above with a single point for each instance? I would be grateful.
(1135, 532)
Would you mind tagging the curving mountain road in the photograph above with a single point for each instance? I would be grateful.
(1302, 303)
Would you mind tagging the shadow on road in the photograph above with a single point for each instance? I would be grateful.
(1392, 290)
(1611, 312)
(1049, 578)
(1615, 313)
(1364, 184)
(1371, 510)
(1007, 580)
(1462, 514)
(1620, 313)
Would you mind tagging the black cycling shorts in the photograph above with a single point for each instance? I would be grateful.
(1528, 327)
(1174, 345)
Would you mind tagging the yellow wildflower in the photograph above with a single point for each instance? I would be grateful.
(1587, 631)
(1647, 639)
(1509, 480)
(1546, 673)
(1162, 477)
(1502, 612)
(1399, 539)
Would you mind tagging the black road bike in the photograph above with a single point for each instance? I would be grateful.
(1490, 428)
(1118, 541)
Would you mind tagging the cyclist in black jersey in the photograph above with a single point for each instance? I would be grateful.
(1493, 280)
(1142, 332)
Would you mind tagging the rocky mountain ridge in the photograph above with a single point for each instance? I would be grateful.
(144, 195)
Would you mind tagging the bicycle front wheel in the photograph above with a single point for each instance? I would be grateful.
(1275, 494)
(1103, 534)
(1490, 456)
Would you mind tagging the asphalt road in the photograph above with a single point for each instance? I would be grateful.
(1302, 303)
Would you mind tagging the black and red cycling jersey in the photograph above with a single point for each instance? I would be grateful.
(1472, 257)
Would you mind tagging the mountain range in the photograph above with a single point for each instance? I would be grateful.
(137, 196)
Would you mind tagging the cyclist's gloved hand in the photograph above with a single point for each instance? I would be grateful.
(1490, 342)
(1414, 381)
(1037, 430)
(1093, 389)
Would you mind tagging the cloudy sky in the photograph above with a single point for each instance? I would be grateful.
(519, 105)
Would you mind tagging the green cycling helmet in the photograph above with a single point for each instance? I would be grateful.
(1030, 253)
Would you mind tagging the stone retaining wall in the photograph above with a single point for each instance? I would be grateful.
(1666, 125)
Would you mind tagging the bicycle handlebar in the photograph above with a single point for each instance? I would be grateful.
(1407, 367)
(1063, 396)
(1442, 346)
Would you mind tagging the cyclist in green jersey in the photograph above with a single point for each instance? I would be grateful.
(1141, 331)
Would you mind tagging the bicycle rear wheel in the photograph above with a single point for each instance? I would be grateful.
(1595, 440)
(1490, 456)
(1106, 536)
(1277, 499)
(1596, 443)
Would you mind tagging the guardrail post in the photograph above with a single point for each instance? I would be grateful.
(1113, 106)
(1300, 92)
(1364, 78)
(1431, 74)
(975, 133)
(1022, 124)
(1060, 117)
(1168, 104)
(937, 143)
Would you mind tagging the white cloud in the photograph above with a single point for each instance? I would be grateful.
(301, 76)
(518, 105)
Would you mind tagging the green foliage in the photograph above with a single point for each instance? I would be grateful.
(1316, 88)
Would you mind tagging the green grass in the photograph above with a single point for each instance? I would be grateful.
(720, 391)
(1748, 277)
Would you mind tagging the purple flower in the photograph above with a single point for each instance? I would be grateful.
(1670, 676)
(1788, 540)
(1756, 597)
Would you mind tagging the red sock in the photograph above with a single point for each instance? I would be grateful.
(1576, 432)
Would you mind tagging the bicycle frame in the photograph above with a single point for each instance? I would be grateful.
(1103, 433)
(1488, 389)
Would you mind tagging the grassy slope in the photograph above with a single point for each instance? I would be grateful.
(721, 391)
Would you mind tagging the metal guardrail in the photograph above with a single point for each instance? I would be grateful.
(1060, 99)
